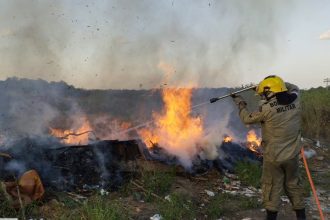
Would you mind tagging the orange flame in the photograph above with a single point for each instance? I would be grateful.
(253, 142)
(227, 139)
(175, 129)
(73, 136)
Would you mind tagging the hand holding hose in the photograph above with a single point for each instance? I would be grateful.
(239, 101)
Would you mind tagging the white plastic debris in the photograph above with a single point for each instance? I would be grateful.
(168, 198)
(309, 153)
(209, 193)
(103, 192)
(285, 199)
(233, 192)
(320, 158)
(246, 218)
(156, 217)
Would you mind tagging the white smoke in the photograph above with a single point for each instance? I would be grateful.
(325, 35)
(118, 44)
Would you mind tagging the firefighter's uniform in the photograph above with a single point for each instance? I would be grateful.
(280, 127)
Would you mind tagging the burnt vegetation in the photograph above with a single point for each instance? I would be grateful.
(29, 107)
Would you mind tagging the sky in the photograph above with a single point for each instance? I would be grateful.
(121, 44)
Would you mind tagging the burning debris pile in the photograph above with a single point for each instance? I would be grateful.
(175, 130)
(89, 156)
(78, 167)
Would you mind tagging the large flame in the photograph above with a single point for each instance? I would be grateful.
(253, 142)
(78, 136)
(175, 129)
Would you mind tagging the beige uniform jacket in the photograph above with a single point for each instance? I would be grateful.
(280, 127)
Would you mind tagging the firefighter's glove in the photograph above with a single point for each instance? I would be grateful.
(239, 101)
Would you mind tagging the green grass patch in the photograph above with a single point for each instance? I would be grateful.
(225, 203)
(157, 182)
(100, 208)
(316, 113)
(249, 173)
(180, 207)
(6, 210)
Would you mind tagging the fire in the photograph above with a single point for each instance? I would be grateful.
(227, 139)
(253, 142)
(175, 129)
(78, 136)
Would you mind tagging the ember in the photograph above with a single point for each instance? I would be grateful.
(78, 136)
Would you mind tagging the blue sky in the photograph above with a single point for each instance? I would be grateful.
(126, 44)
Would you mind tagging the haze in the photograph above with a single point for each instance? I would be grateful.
(125, 44)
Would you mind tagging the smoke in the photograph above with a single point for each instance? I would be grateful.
(216, 119)
(325, 35)
(107, 127)
(31, 108)
(119, 44)
(33, 40)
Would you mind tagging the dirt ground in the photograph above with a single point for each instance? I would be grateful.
(200, 189)
(195, 188)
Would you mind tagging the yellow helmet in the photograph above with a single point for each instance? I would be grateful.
(271, 84)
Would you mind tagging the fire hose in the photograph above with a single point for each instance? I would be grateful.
(233, 93)
(312, 184)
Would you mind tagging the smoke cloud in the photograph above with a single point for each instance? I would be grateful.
(325, 36)
(119, 44)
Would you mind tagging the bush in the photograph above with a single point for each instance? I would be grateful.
(316, 113)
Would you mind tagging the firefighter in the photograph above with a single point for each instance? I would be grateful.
(279, 116)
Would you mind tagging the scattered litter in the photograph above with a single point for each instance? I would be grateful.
(156, 217)
(137, 196)
(231, 176)
(285, 199)
(263, 210)
(248, 192)
(315, 217)
(309, 153)
(234, 193)
(226, 180)
(326, 210)
(246, 218)
(320, 158)
(168, 198)
(103, 192)
(209, 193)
